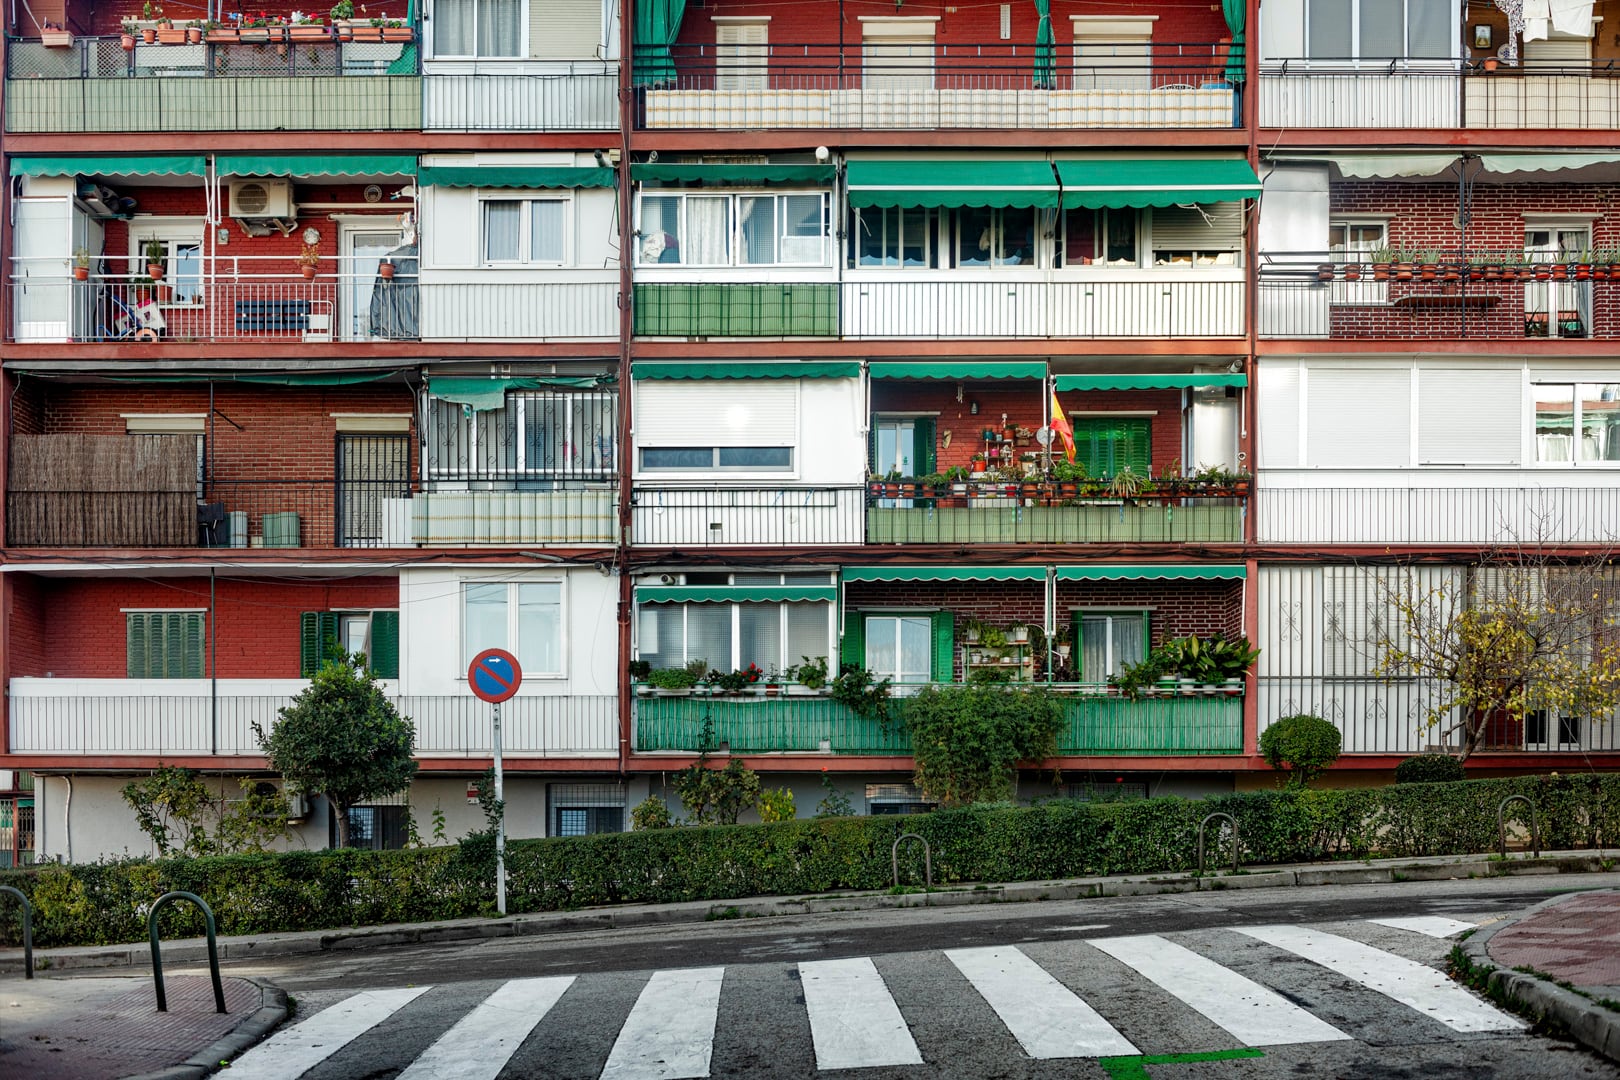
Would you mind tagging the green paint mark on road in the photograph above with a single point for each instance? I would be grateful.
(1135, 1068)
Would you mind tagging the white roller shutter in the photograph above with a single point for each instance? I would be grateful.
(1470, 416)
(1558, 52)
(729, 412)
(1215, 227)
(565, 29)
(1277, 436)
(1358, 417)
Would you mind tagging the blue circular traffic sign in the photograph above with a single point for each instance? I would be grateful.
(494, 675)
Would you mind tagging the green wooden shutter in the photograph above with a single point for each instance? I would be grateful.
(385, 644)
(944, 646)
(852, 649)
(193, 647)
(136, 627)
(923, 435)
(165, 644)
(316, 632)
(1106, 445)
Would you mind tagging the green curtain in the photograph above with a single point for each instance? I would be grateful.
(1045, 68)
(1235, 12)
(658, 24)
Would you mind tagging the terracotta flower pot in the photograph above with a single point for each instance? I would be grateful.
(154, 271)
(1380, 271)
(385, 270)
(127, 41)
(1324, 272)
(224, 36)
(149, 35)
(170, 35)
(308, 272)
(194, 35)
(1403, 271)
(81, 273)
(398, 33)
(1428, 271)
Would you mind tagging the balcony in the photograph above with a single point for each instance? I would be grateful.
(686, 517)
(1340, 301)
(967, 86)
(714, 309)
(325, 85)
(980, 512)
(584, 515)
(1300, 93)
(501, 96)
(1095, 724)
(168, 717)
(1472, 516)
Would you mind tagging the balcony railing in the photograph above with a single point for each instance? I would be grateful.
(584, 515)
(95, 85)
(1316, 93)
(699, 517)
(1163, 85)
(150, 717)
(1321, 295)
(503, 100)
(994, 513)
(1095, 723)
(1438, 515)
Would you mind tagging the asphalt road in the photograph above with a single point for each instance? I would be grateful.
(1017, 990)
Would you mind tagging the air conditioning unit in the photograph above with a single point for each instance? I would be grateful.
(261, 199)
(297, 803)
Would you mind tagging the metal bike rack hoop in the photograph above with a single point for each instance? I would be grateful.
(1204, 824)
(928, 860)
(27, 929)
(157, 956)
(1501, 825)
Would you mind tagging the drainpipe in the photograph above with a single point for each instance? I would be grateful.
(67, 818)
(621, 554)
(213, 668)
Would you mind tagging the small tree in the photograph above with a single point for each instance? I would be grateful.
(715, 796)
(172, 806)
(1304, 745)
(968, 740)
(342, 738)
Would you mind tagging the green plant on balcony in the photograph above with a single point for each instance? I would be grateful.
(81, 264)
(639, 670)
(968, 740)
(156, 255)
(808, 673)
(735, 682)
(1128, 484)
(672, 680)
(868, 697)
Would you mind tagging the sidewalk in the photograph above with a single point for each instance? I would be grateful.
(1571, 948)
(89, 1028)
(1365, 872)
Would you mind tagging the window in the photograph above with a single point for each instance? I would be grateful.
(522, 617)
(1105, 237)
(1577, 423)
(536, 435)
(994, 236)
(897, 54)
(729, 637)
(165, 644)
(377, 828)
(1189, 236)
(896, 236)
(174, 424)
(1557, 308)
(897, 799)
(756, 229)
(478, 28)
(1355, 237)
(1105, 445)
(900, 647)
(1110, 642)
(1380, 29)
(1113, 53)
(694, 458)
(182, 263)
(740, 51)
(583, 809)
(1538, 729)
(525, 230)
(375, 634)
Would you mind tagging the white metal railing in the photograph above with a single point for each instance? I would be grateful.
(698, 517)
(455, 100)
(504, 310)
(149, 717)
(1315, 94)
(1437, 515)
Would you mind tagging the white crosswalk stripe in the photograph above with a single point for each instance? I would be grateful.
(854, 1022)
(293, 1052)
(670, 1032)
(484, 1040)
(1412, 984)
(1433, 925)
(1252, 1014)
(1046, 1017)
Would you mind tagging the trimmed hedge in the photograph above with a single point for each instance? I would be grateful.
(103, 903)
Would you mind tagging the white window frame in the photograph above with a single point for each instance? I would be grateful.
(899, 30)
(513, 643)
(862, 219)
(526, 199)
(741, 66)
(170, 232)
(1575, 414)
(1143, 616)
(523, 36)
(773, 470)
(1133, 32)
(896, 618)
(734, 241)
(1144, 240)
(1353, 57)
(469, 428)
(733, 662)
(1365, 291)
(998, 229)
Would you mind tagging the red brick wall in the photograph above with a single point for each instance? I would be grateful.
(257, 621)
(1422, 217)
(25, 635)
(27, 405)
(1021, 401)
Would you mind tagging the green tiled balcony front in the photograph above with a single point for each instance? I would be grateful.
(1094, 724)
(715, 309)
(1006, 521)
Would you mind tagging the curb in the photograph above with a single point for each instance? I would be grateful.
(1590, 1023)
(266, 1018)
(1372, 872)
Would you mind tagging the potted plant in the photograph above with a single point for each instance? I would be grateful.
(54, 36)
(808, 677)
(219, 33)
(385, 270)
(342, 15)
(1352, 271)
(1559, 271)
(1583, 266)
(671, 682)
(309, 28)
(1428, 265)
(972, 631)
(156, 256)
(1324, 271)
(1018, 634)
(169, 34)
(127, 38)
(1128, 484)
(1382, 258)
(1403, 266)
(81, 264)
(371, 30)
(194, 32)
(397, 30)
(308, 260)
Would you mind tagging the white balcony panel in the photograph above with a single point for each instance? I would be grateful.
(459, 518)
(167, 717)
(1369, 97)
(681, 517)
(1541, 101)
(507, 100)
(499, 308)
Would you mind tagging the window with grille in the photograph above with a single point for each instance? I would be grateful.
(583, 809)
(535, 435)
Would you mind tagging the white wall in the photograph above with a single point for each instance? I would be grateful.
(450, 226)
(431, 660)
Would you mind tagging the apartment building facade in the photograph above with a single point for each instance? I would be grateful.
(632, 338)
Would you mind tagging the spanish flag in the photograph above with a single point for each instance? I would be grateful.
(1060, 424)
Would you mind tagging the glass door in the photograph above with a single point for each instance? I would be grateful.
(1557, 308)
(894, 451)
(900, 647)
(363, 250)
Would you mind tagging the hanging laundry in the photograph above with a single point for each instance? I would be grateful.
(1573, 17)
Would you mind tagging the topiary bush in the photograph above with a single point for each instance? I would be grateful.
(1430, 769)
(1303, 744)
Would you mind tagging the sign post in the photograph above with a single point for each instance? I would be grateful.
(494, 676)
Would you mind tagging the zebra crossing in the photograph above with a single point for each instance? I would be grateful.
(859, 1014)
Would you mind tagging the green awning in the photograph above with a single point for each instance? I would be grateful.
(133, 165)
(960, 369)
(1145, 382)
(734, 174)
(915, 182)
(485, 394)
(810, 369)
(1152, 572)
(517, 176)
(315, 165)
(1116, 182)
(944, 573)
(735, 594)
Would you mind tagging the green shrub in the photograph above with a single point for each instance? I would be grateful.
(967, 741)
(651, 813)
(1303, 744)
(1429, 769)
(106, 902)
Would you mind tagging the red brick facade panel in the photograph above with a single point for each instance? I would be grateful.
(80, 631)
(25, 618)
